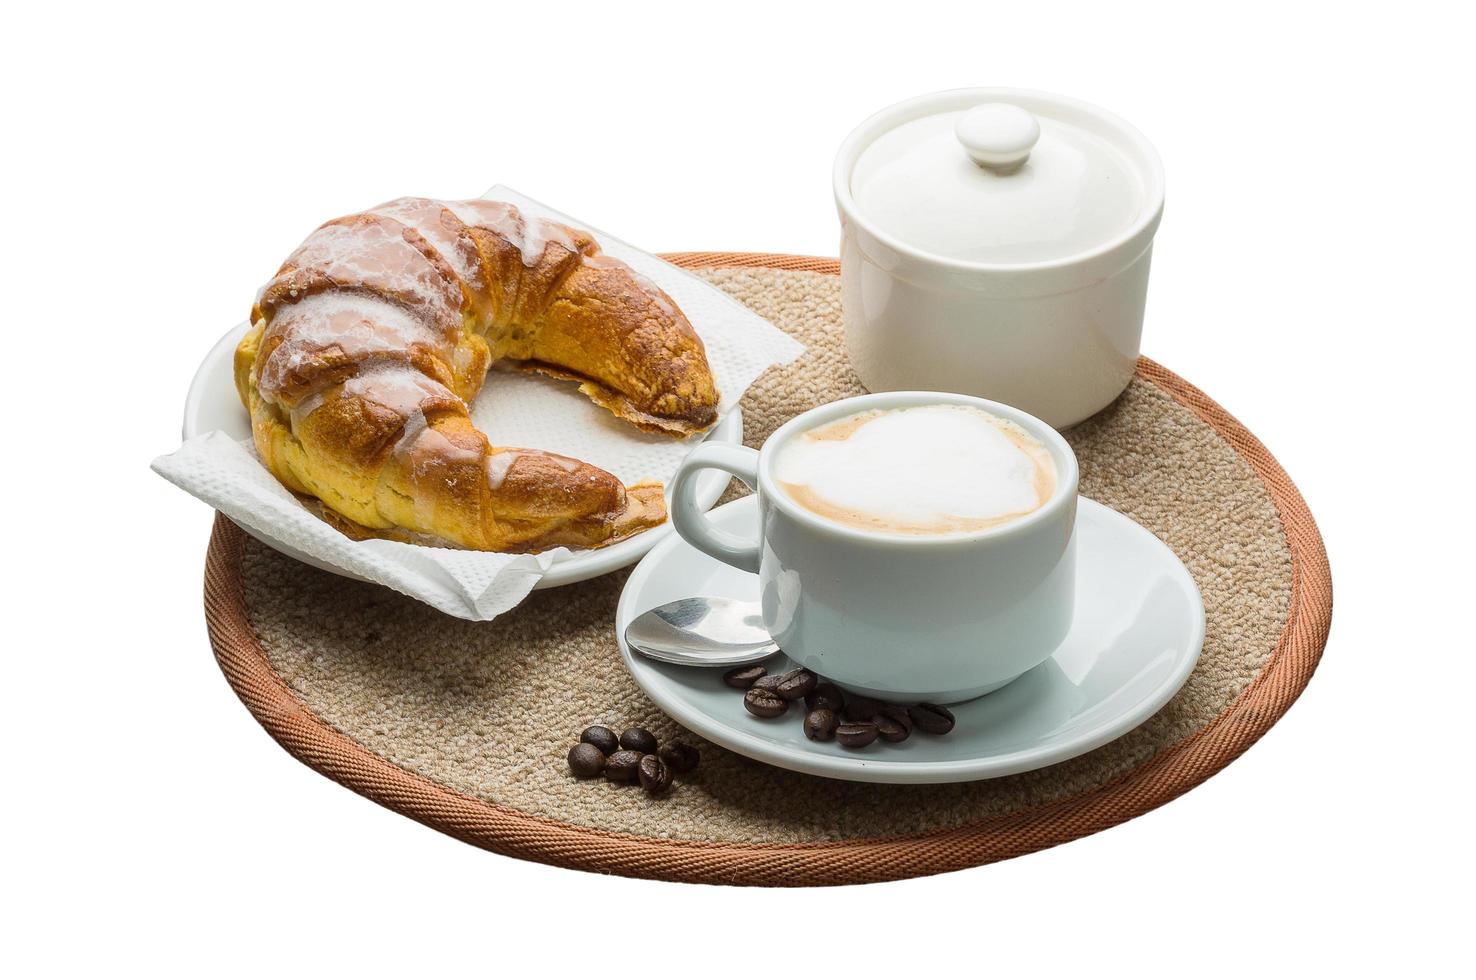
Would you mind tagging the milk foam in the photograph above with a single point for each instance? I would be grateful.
(926, 470)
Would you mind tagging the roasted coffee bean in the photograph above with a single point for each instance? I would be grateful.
(820, 725)
(856, 734)
(825, 695)
(585, 760)
(859, 708)
(655, 777)
(769, 682)
(932, 718)
(765, 704)
(893, 724)
(601, 738)
(623, 766)
(743, 677)
(679, 757)
(638, 740)
(796, 684)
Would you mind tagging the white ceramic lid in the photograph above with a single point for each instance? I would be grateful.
(1006, 180)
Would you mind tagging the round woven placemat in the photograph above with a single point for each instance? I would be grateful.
(464, 726)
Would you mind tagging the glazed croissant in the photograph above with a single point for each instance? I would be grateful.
(366, 349)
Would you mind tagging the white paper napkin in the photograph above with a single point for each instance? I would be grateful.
(512, 409)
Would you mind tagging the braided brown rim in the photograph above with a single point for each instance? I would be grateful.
(507, 831)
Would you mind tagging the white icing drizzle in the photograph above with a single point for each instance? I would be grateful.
(358, 326)
(394, 385)
(417, 461)
(498, 464)
(407, 392)
(429, 456)
(398, 387)
(414, 426)
(375, 255)
(428, 218)
(306, 407)
(527, 233)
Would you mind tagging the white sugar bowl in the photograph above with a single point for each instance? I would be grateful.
(996, 242)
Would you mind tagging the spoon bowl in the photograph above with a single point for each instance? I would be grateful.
(702, 631)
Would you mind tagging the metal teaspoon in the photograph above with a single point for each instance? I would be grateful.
(703, 631)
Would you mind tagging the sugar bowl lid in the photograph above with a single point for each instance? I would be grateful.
(1000, 178)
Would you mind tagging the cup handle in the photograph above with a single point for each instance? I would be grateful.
(689, 520)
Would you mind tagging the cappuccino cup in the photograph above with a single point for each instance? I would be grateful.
(911, 545)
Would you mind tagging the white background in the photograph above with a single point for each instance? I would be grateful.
(1313, 272)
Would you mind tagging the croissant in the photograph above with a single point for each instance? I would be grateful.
(378, 331)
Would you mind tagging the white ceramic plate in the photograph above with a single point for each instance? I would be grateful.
(1137, 634)
(213, 404)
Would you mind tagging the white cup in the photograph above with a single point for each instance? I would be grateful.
(907, 617)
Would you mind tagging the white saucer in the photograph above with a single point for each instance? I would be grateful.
(212, 404)
(1137, 634)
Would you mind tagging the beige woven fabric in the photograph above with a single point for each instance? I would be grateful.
(489, 710)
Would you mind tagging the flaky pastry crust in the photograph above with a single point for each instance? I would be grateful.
(377, 333)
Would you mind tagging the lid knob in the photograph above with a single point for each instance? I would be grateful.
(998, 135)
